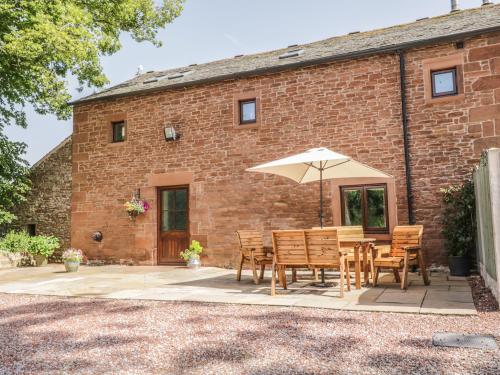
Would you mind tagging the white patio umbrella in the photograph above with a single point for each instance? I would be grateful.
(318, 164)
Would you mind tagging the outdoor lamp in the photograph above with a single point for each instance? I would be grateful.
(97, 236)
(170, 134)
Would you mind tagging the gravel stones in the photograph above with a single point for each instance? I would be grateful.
(47, 335)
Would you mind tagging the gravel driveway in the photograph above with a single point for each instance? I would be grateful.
(69, 335)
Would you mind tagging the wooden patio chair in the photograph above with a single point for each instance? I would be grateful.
(307, 249)
(405, 251)
(252, 250)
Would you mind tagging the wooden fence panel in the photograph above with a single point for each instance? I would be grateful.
(487, 192)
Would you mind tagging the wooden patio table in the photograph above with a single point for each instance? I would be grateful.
(359, 243)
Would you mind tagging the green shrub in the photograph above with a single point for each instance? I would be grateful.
(43, 245)
(21, 242)
(459, 224)
(193, 252)
(15, 242)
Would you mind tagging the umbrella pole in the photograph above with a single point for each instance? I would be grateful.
(323, 283)
(320, 196)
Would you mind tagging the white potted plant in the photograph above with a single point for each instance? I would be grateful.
(72, 258)
(192, 255)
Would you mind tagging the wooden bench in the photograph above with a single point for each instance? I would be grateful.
(252, 250)
(405, 251)
(307, 249)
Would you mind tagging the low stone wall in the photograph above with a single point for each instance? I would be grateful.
(10, 260)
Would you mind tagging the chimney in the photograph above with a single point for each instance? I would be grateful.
(454, 6)
(487, 2)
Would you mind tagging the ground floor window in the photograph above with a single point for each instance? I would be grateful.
(366, 206)
(31, 229)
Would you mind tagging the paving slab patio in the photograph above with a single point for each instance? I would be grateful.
(209, 284)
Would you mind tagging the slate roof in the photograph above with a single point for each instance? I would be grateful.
(448, 27)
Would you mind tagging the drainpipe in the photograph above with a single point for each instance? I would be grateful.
(406, 142)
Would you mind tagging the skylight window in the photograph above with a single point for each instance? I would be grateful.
(177, 75)
(150, 80)
(180, 74)
(292, 53)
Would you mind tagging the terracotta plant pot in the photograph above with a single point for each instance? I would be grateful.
(71, 266)
(40, 260)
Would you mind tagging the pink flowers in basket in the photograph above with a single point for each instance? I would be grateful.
(135, 207)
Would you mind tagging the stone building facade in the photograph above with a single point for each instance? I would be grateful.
(350, 104)
(47, 210)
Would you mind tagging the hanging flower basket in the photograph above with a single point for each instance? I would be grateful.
(136, 207)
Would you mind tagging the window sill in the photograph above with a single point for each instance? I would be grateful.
(253, 125)
(116, 143)
(377, 233)
(379, 237)
(445, 99)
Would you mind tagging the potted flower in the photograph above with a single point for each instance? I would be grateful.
(192, 255)
(72, 258)
(136, 207)
(459, 227)
(41, 248)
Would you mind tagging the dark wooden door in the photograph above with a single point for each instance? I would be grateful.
(173, 231)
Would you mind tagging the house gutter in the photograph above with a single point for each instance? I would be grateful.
(299, 64)
(406, 136)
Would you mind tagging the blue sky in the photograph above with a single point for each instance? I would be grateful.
(209, 30)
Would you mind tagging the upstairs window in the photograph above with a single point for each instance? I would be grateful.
(365, 206)
(248, 112)
(118, 128)
(444, 82)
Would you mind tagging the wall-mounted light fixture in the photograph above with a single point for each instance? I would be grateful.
(97, 236)
(171, 134)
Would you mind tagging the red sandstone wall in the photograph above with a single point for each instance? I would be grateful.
(447, 137)
(352, 107)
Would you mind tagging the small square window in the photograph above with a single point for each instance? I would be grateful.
(444, 82)
(31, 229)
(248, 112)
(118, 131)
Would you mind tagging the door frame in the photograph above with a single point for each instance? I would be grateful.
(159, 189)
